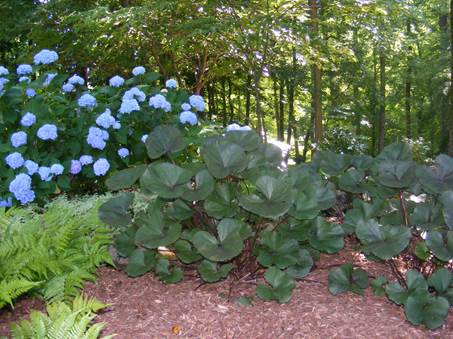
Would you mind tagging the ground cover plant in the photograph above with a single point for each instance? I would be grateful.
(237, 210)
(61, 134)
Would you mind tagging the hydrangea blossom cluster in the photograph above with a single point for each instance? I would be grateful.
(31, 166)
(129, 105)
(7, 202)
(49, 79)
(18, 139)
(76, 167)
(186, 107)
(20, 187)
(106, 120)
(28, 119)
(171, 83)
(97, 138)
(116, 81)
(57, 169)
(14, 160)
(86, 160)
(134, 93)
(30, 92)
(159, 101)
(76, 80)
(23, 69)
(24, 79)
(188, 117)
(236, 127)
(197, 102)
(3, 71)
(45, 173)
(123, 152)
(47, 132)
(67, 88)
(45, 57)
(139, 70)
(87, 101)
(101, 166)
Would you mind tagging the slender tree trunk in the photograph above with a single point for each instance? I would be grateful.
(291, 122)
(357, 105)
(373, 104)
(247, 100)
(281, 114)
(316, 78)
(224, 104)
(307, 137)
(212, 102)
(381, 134)
(230, 101)
(259, 113)
(408, 96)
(276, 105)
(450, 141)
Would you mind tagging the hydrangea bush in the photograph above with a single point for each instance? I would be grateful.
(60, 134)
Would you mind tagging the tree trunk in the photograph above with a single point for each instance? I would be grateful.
(247, 100)
(281, 115)
(316, 78)
(373, 104)
(224, 104)
(276, 105)
(259, 113)
(450, 141)
(291, 122)
(211, 99)
(381, 126)
(230, 101)
(408, 98)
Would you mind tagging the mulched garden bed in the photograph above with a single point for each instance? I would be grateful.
(145, 308)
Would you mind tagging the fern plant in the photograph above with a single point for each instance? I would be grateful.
(51, 251)
(62, 321)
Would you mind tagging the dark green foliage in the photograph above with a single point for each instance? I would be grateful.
(347, 278)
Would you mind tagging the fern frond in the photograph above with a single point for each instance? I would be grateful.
(9, 290)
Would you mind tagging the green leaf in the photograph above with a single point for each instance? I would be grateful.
(248, 140)
(140, 262)
(439, 178)
(274, 199)
(185, 252)
(377, 285)
(164, 140)
(426, 309)
(222, 202)
(383, 241)
(305, 204)
(351, 181)
(125, 242)
(223, 158)
(281, 283)
(360, 213)
(396, 174)
(155, 230)
(244, 301)
(447, 201)
(226, 247)
(325, 195)
(441, 244)
(441, 280)
(165, 274)
(115, 211)
(326, 237)
(276, 250)
(303, 266)
(396, 152)
(212, 272)
(331, 163)
(166, 180)
(125, 178)
(346, 278)
(426, 216)
(201, 188)
(178, 210)
(415, 282)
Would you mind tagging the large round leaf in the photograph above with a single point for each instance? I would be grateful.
(222, 202)
(447, 201)
(396, 151)
(275, 199)
(351, 181)
(415, 282)
(212, 272)
(305, 204)
(201, 188)
(125, 178)
(140, 261)
(125, 242)
(302, 267)
(426, 309)
(439, 178)
(223, 158)
(166, 140)
(346, 278)
(115, 211)
(277, 250)
(226, 247)
(156, 231)
(396, 174)
(441, 244)
(248, 140)
(383, 241)
(281, 286)
(326, 237)
(166, 180)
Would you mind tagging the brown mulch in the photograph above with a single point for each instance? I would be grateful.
(145, 308)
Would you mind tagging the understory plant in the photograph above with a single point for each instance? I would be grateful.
(51, 252)
(236, 209)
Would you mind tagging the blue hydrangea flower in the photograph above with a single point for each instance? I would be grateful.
(87, 100)
(18, 139)
(171, 83)
(20, 187)
(76, 167)
(56, 169)
(28, 119)
(139, 70)
(7, 202)
(31, 166)
(49, 79)
(45, 173)
(116, 81)
(14, 160)
(45, 57)
(96, 138)
(47, 132)
(24, 79)
(30, 92)
(159, 101)
(188, 117)
(24, 69)
(134, 93)
(197, 102)
(101, 166)
(116, 125)
(3, 71)
(76, 80)
(129, 105)
(144, 138)
(67, 88)
(86, 160)
(3, 81)
(236, 127)
(106, 120)
(123, 152)
(186, 107)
